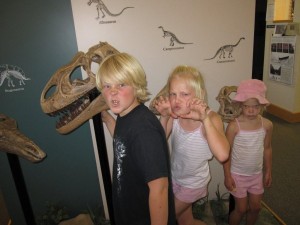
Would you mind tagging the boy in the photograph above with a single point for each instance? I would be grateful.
(142, 192)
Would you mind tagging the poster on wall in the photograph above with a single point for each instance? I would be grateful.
(282, 59)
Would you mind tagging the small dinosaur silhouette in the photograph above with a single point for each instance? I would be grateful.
(101, 6)
(172, 37)
(9, 73)
(226, 48)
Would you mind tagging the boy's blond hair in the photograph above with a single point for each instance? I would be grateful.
(193, 78)
(122, 68)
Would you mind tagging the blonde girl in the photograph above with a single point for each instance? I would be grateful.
(249, 166)
(196, 134)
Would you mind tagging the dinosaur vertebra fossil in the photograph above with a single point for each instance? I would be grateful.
(14, 142)
(71, 99)
(226, 48)
(101, 6)
(164, 92)
(228, 110)
(172, 37)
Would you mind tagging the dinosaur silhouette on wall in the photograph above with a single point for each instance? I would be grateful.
(172, 37)
(10, 73)
(226, 48)
(102, 7)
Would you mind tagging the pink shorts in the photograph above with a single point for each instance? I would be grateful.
(244, 184)
(188, 195)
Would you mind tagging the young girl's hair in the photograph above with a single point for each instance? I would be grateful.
(122, 68)
(193, 78)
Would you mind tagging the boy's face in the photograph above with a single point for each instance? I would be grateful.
(180, 93)
(120, 98)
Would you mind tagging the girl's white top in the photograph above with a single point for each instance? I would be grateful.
(247, 151)
(189, 157)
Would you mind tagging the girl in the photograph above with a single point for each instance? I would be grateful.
(250, 138)
(196, 135)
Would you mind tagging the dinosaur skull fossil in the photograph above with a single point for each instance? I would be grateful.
(162, 93)
(228, 110)
(14, 142)
(71, 99)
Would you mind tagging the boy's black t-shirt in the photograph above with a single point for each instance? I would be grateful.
(140, 156)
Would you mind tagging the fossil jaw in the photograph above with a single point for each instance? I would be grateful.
(14, 142)
(72, 100)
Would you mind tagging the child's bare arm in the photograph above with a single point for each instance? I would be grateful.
(216, 138)
(268, 153)
(231, 131)
(109, 121)
(158, 201)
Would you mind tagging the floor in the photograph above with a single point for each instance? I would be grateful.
(283, 196)
(213, 215)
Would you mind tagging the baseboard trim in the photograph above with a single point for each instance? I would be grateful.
(283, 114)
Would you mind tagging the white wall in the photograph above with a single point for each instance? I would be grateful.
(279, 94)
(207, 24)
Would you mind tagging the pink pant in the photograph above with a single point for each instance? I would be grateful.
(188, 195)
(244, 184)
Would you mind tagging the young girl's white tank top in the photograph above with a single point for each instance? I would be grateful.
(247, 151)
(189, 157)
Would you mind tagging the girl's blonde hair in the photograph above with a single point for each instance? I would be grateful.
(193, 78)
(122, 68)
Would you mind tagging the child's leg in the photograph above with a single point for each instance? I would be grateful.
(254, 208)
(239, 211)
(184, 214)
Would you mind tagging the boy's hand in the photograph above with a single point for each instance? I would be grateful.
(198, 109)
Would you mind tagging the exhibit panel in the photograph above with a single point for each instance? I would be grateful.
(211, 36)
(39, 39)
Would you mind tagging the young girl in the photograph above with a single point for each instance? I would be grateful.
(250, 138)
(196, 135)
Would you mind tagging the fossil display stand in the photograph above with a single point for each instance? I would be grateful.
(16, 170)
(104, 163)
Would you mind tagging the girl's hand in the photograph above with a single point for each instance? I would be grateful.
(198, 109)
(162, 105)
(267, 180)
(229, 183)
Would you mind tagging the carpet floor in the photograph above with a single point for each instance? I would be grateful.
(214, 215)
(283, 196)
